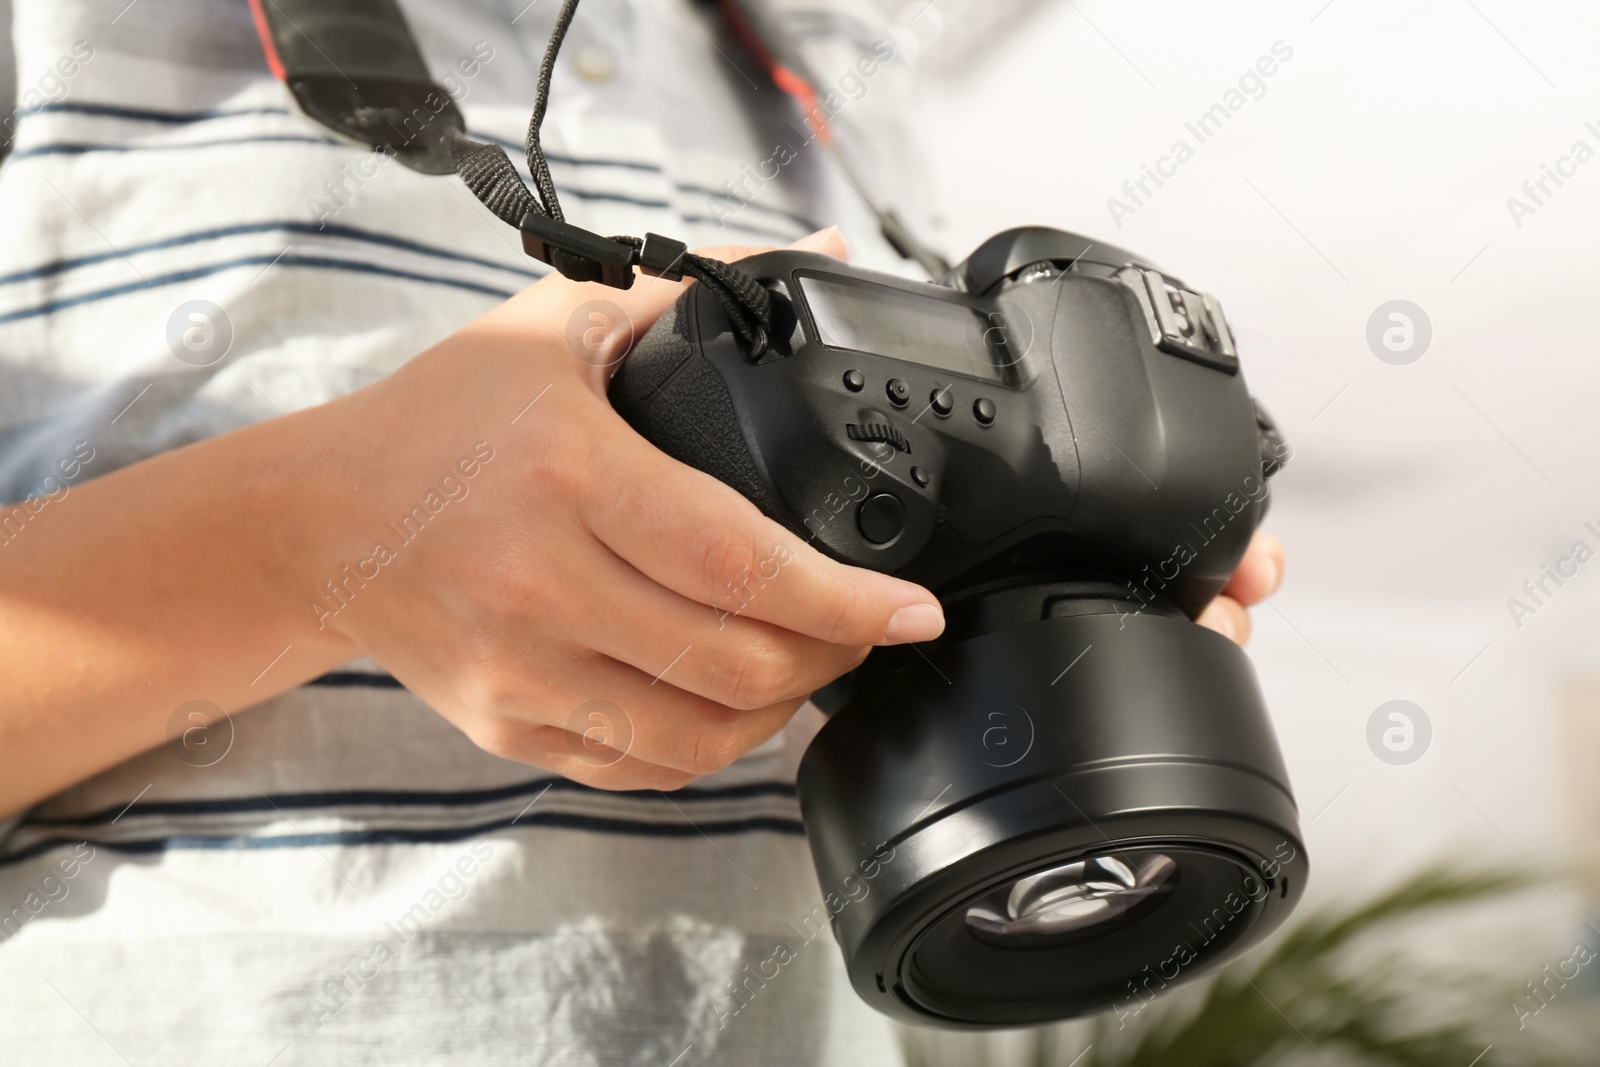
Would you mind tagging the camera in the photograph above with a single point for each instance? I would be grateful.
(1073, 799)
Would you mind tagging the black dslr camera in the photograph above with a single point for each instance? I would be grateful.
(1074, 798)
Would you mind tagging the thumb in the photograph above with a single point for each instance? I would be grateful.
(649, 297)
(830, 242)
(610, 321)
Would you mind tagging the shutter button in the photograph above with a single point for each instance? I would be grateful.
(983, 410)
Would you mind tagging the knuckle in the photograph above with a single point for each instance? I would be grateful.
(491, 693)
(500, 736)
(726, 559)
(521, 591)
(759, 672)
(509, 583)
(500, 715)
(560, 465)
(709, 750)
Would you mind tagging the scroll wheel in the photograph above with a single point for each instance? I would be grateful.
(878, 431)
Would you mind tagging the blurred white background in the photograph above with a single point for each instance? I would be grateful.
(1375, 166)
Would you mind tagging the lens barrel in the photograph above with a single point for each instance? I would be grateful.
(1055, 818)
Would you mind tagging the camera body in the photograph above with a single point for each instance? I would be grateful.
(1071, 788)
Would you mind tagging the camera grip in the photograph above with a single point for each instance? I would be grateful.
(676, 399)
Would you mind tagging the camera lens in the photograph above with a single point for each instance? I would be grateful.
(1043, 843)
(1057, 904)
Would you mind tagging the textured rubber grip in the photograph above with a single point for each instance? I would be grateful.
(677, 400)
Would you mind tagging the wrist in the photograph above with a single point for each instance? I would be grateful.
(301, 513)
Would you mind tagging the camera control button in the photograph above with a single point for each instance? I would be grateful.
(942, 401)
(899, 393)
(919, 476)
(854, 380)
(881, 518)
(983, 410)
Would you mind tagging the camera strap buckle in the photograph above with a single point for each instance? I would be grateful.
(1183, 322)
(585, 256)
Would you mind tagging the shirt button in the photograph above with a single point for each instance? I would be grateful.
(595, 64)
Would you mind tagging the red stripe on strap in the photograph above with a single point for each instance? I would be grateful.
(264, 31)
(782, 76)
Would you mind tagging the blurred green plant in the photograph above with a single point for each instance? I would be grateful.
(1313, 997)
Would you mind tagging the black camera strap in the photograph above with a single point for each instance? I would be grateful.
(585, 256)
(353, 66)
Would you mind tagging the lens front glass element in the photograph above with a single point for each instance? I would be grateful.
(1081, 931)
(1060, 903)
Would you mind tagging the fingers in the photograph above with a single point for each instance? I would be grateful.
(713, 653)
(1258, 576)
(691, 533)
(830, 242)
(630, 714)
(1260, 572)
(669, 727)
(565, 753)
(1228, 617)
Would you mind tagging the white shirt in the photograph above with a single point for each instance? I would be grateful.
(347, 879)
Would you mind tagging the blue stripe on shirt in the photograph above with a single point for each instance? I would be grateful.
(73, 148)
(310, 262)
(400, 798)
(432, 835)
(280, 226)
(357, 678)
(138, 114)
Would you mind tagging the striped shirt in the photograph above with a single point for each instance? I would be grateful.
(338, 875)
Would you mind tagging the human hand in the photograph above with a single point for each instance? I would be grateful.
(484, 525)
(1258, 577)
(577, 563)
(575, 608)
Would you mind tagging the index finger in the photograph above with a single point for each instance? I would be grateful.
(700, 538)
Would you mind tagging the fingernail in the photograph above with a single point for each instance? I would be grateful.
(1274, 576)
(815, 240)
(915, 622)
